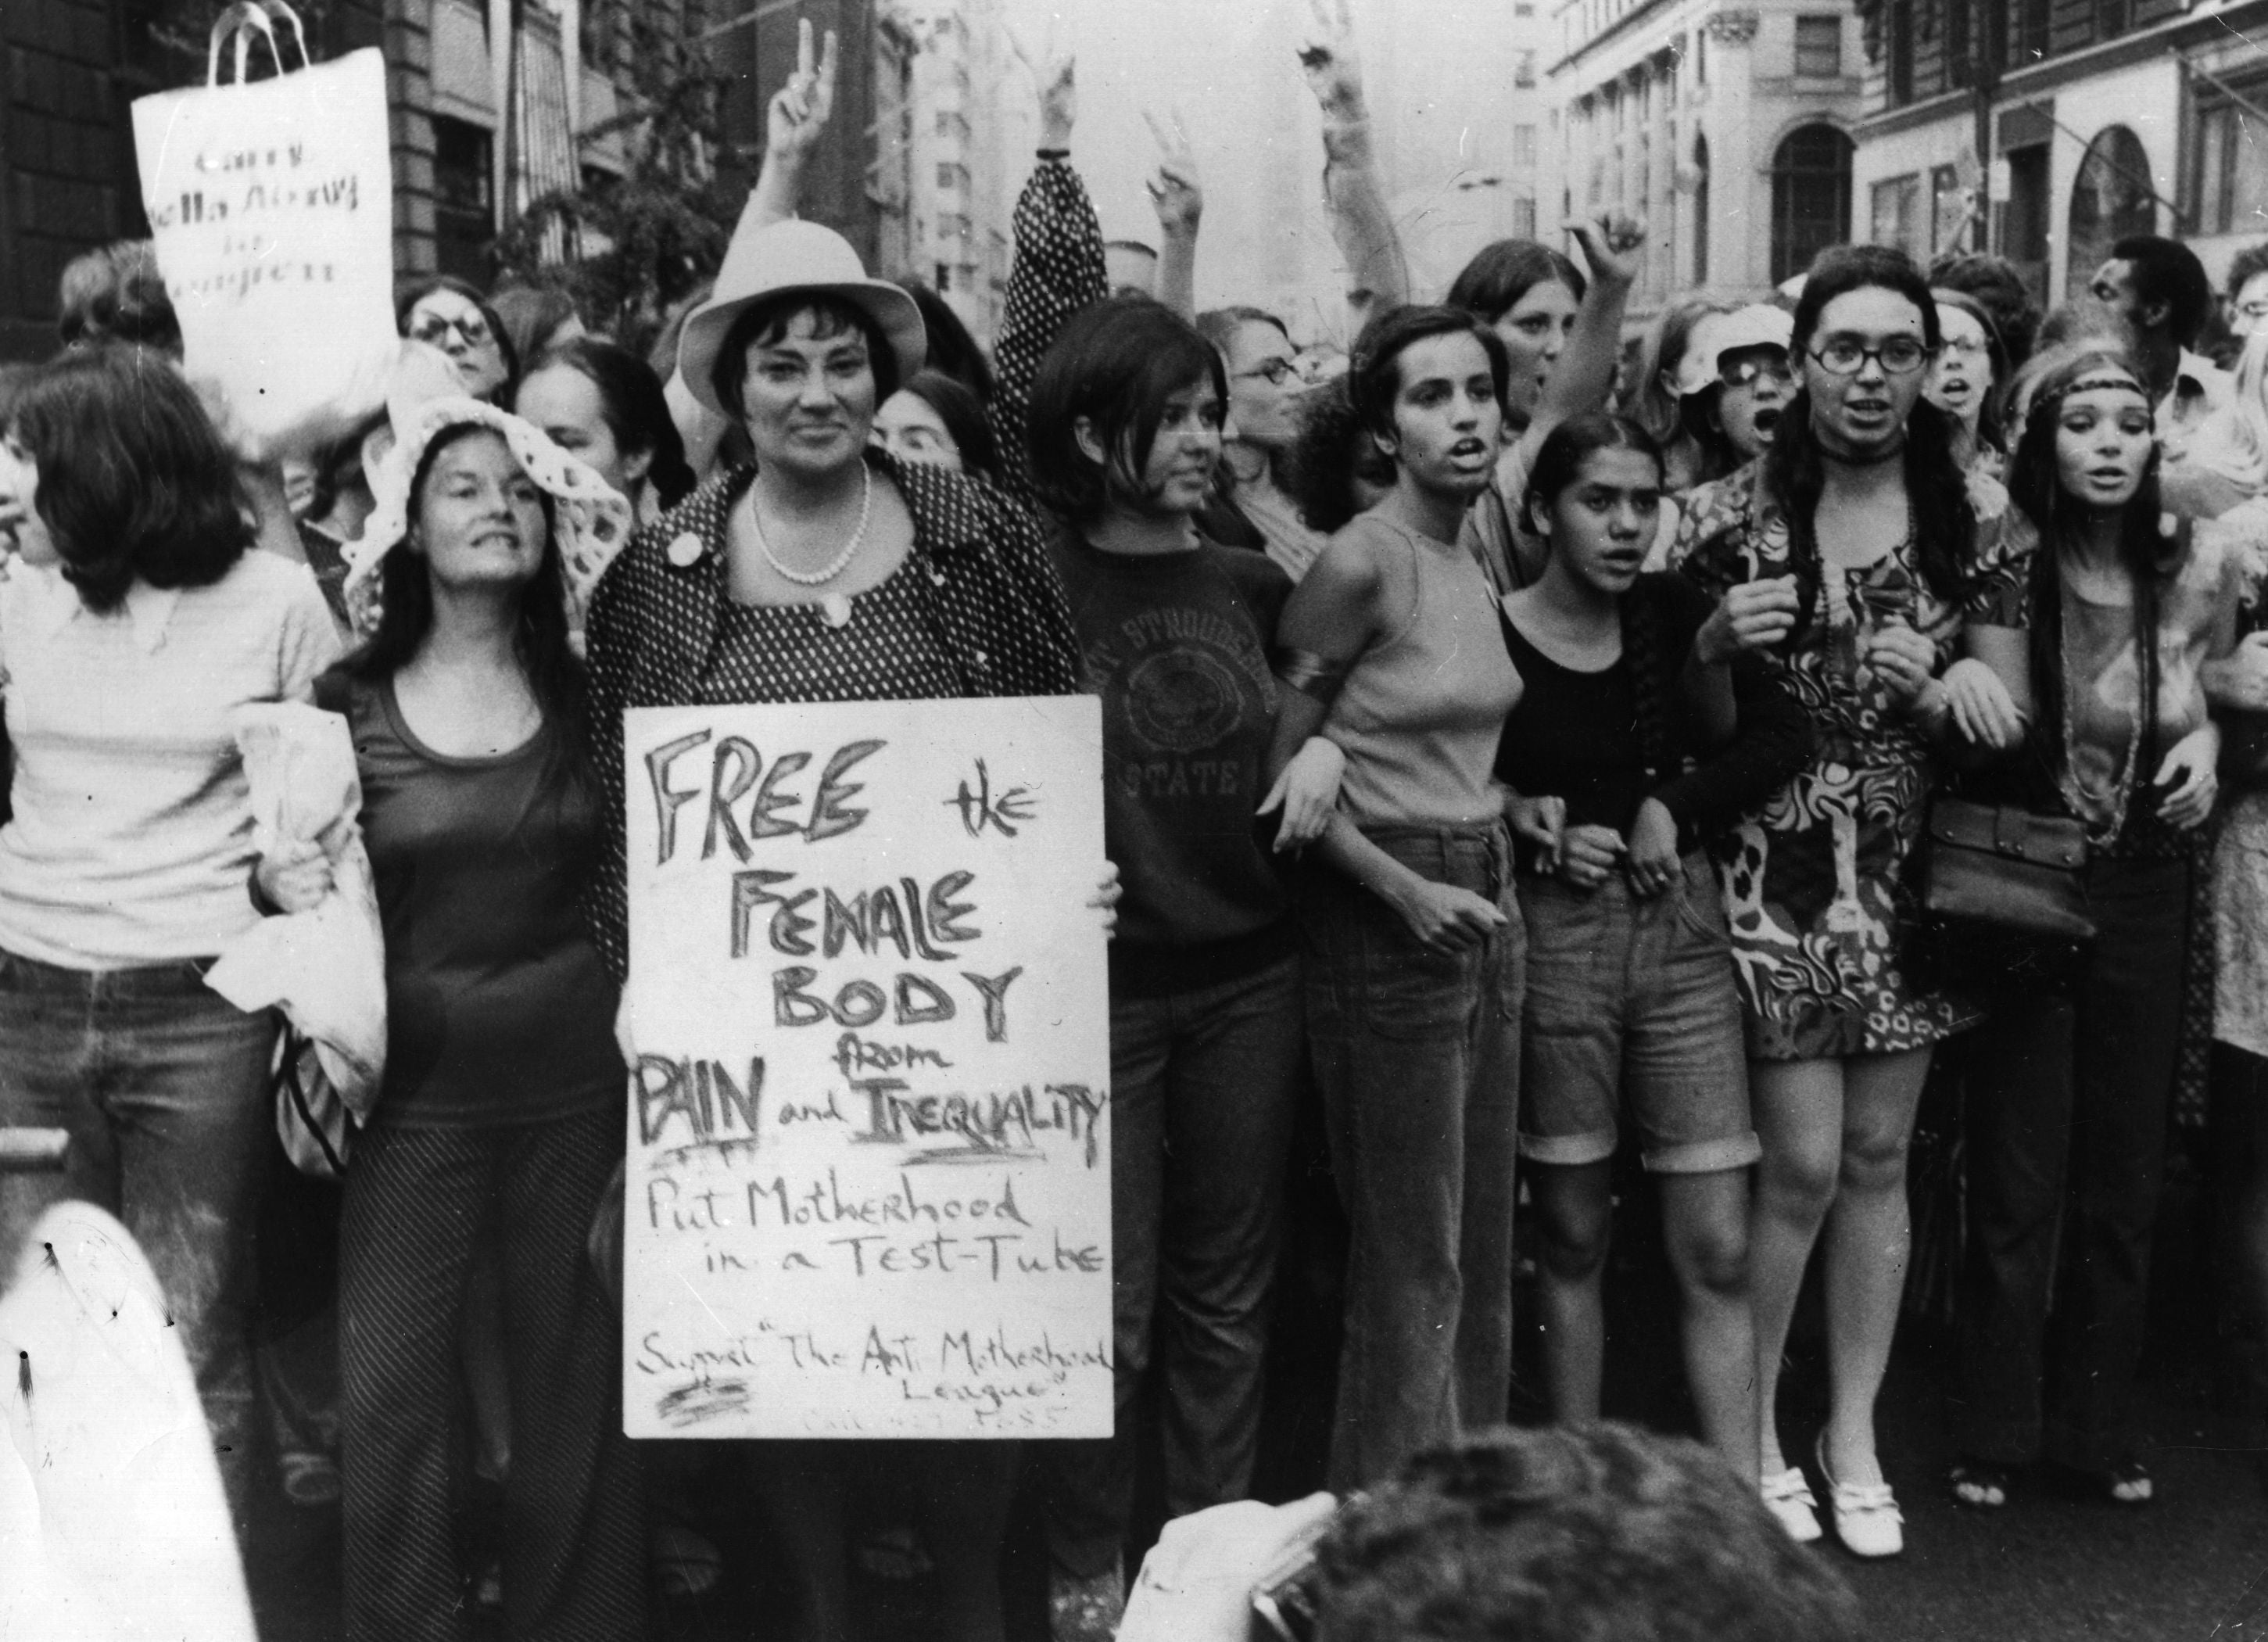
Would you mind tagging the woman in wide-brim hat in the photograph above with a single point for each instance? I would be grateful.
(828, 571)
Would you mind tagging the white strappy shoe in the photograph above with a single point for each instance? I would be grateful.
(1867, 1518)
(1787, 1496)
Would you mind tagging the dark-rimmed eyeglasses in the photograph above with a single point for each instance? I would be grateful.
(433, 327)
(1847, 355)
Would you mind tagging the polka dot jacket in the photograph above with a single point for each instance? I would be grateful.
(982, 580)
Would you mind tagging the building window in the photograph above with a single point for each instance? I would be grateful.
(2111, 198)
(1959, 69)
(1811, 197)
(464, 199)
(1948, 211)
(1701, 58)
(950, 175)
(1899, 70)
(1523, 145)
(2232, 164)
(2034, 20)
(1897, 213)
(1523, 67)
(2111, 19)
(1523, 219)
(1818, 48)
(1523, 9)
(1700, 211)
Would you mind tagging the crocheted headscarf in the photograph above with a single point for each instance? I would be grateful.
(590, 522)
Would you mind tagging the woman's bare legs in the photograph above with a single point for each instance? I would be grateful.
(1574, 1217)
(1798, 1106)
(1868, 1234)
(1705, 1223)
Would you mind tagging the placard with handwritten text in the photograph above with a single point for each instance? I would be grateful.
(869, 1183)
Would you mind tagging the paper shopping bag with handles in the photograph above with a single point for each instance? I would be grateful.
(271, 202)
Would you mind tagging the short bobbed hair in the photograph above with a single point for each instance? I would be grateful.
(762, 324)
(1377, 369)
(134, 482)
(1116, 363)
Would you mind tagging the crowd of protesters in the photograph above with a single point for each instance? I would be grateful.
(1586, 717)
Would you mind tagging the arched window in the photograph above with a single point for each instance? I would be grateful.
(1700, 211)
(2109, 199)
(1811, 197)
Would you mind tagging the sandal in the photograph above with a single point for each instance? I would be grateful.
(1788, 1497)
(2122, 1482)
(1977, 1484)
(1867, 1516)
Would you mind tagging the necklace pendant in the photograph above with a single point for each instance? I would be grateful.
(835, 607)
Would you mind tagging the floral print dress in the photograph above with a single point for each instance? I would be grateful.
(1815, 879)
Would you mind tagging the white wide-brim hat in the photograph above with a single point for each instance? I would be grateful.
(1759, 325)
(801, 258)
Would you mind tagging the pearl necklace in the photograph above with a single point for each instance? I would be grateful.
(836, 606)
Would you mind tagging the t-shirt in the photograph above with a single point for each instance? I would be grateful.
(1574, 734)
(498, 1008)
(131, 840)
(1176, 644)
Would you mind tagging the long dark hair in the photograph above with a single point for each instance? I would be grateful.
(631, 401)
(540, 641)
(1115, 363)
(134, 479)
(2035, 486)
(1945, 527)
(1558, 464)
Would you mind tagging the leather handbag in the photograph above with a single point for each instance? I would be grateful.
(2002, 895)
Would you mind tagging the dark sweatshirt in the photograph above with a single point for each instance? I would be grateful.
(1176, 644)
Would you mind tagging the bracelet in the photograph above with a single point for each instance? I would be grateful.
(1313, 676)
(1054, 153)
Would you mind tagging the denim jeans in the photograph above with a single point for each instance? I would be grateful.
(1202, 1088)
(160, 1082)
(2069, 1098)
(1417, 1054)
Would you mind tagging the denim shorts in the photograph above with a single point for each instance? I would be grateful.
(1628, 996)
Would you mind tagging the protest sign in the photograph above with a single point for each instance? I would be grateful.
(271, 209)
(868, 1192)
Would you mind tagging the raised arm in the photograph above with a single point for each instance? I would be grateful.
(1354, 197)
(1585, 375)
(1058, 270)
(1180, 204)
(793, 126)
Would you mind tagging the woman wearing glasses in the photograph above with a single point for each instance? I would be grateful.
(1844, 552)
(449, 315)
(1264, 392)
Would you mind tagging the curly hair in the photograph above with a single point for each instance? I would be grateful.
(2036, 487)
(1944, 526)
(134, 479)
(1993, 283)
(1558, 464)
(410, 292)
(1375, 374)
(1568, 1533)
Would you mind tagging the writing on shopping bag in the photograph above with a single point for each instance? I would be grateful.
(869, 1126)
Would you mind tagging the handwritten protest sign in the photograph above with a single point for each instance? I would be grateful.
(869, 1178)
(272, 207)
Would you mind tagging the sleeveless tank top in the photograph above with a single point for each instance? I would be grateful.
(1422, 710)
